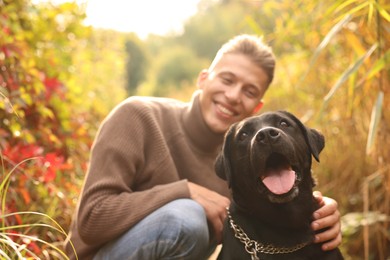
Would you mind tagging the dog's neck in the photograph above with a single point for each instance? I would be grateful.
(254, 247)
(271, 231)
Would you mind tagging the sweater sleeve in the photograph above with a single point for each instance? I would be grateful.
(130, 175)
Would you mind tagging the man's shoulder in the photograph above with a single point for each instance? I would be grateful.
(158, 108)
(153, 103)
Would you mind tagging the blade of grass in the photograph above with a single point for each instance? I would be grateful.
(382, 11)
(29, 226)
(7, 242)
(35, 239)
(352, 69)
(335, 29)
(359, 7)
(3, 254)
(58, 227)
(5, 184)
(379, 65)
(8, 102)
(374, 122)
(344, 4)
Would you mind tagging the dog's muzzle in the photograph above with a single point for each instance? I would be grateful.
(278, 175)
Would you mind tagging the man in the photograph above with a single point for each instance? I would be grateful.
(151, 191)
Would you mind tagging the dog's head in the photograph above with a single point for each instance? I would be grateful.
(268, 157)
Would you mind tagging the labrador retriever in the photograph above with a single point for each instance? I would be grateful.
(266, 161)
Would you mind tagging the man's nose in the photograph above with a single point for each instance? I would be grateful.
(233, 93)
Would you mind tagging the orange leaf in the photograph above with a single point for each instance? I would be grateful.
(25, 195)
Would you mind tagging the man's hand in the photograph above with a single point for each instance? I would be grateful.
(214, 205)
(327, 216)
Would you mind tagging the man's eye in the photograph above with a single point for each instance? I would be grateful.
(227, 81)
(250, 94)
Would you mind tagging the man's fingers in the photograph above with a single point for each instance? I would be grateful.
(329, 210)
(332, 244)
(329, 233)
(218, 228)
(326, 222)
(217, 219)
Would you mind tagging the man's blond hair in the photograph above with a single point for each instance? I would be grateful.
(253, 47)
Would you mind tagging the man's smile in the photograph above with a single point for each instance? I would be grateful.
(224, 110)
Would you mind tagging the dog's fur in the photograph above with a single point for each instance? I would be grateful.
(272, 142)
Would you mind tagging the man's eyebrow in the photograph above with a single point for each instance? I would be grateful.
(228, 73)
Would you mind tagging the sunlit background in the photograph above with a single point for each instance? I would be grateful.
(142, 17)
(64, 66)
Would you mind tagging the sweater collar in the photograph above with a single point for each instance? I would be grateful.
(201, 136)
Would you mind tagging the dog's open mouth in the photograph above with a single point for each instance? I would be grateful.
(279, 176)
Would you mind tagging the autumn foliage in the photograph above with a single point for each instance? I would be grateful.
(59, 78)
(38, 127)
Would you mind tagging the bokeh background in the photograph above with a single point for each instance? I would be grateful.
(60, 76)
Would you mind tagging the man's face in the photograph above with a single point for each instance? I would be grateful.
(231, 91)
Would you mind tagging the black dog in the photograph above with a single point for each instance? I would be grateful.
(266, 161)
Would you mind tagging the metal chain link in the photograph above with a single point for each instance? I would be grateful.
(253, 247)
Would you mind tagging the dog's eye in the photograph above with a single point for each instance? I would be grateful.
(242, 136)
(284, 123)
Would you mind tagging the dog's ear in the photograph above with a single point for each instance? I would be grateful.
(314, 139)
(222, 164)
(316, 142)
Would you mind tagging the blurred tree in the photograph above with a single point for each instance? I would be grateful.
(205, 32)
(98, 76)
(177, 59)
(136, 63)
(176, 68)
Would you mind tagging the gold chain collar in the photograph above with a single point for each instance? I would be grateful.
(253, 247)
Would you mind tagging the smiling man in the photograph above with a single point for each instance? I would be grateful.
(151, 191)
(233, 87)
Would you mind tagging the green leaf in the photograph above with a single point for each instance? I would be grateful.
(379, 65)
(335, 29)
(375, 119)
(382, 12)
(348, 73)
(359, 7)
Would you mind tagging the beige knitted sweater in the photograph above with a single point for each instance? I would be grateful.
(144, 153)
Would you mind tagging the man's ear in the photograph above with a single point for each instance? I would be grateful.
(222, 166)
(258, 107)
(201, 78)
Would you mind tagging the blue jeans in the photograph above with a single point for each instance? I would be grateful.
(178, 230)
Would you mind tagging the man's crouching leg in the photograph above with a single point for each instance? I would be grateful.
(177, 230)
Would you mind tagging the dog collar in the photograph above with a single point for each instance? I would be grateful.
(253, 247)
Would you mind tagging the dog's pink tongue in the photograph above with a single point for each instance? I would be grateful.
(280, 181)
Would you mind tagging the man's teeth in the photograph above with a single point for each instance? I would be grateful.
(225, 110)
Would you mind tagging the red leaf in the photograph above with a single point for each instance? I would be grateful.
(20, 152)
(25, 195)
(53, 86)
(33, 247)
(52, 162)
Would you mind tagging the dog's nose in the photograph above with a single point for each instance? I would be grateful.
(268, 135)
